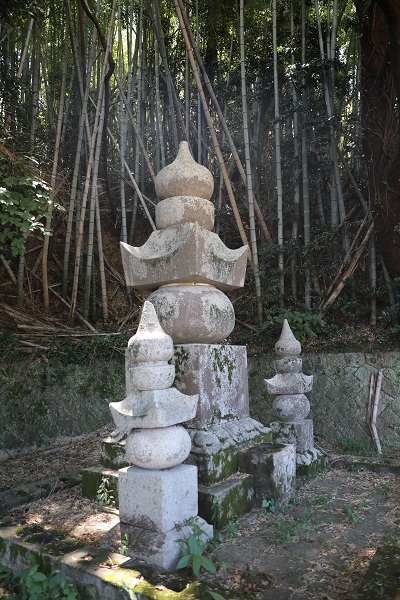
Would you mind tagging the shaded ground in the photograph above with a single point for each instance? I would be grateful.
(318, 548)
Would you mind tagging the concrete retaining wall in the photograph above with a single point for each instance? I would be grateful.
(340, 393)
(41, 400)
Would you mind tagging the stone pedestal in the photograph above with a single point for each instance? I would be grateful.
(218, 374)
(157, 500)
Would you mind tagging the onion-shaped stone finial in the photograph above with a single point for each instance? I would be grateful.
(287, 345)
(150, 343)
(184, 177)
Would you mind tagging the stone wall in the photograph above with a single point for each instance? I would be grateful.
(340, 393)
(44, 399)
(41, 400)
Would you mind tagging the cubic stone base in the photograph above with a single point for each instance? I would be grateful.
(221, 502)
(300, 434)
(218, 374)
(215, 448)
(273, 467)
(157, 500)
(310, 462)
(161, 548)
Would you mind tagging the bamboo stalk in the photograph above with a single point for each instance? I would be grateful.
(222, 119)
(377, 394)
(217, 149)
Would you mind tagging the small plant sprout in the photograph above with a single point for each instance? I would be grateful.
(193, 548)
(268, 506)
(351, 516)
(104, 495)
(123, 549)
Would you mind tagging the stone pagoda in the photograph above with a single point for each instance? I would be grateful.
(158, 495)
(291, 405)
(187, 269)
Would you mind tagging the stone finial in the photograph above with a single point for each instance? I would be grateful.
(184, 177)
(287, 345)
(150, 342)
(149, 350)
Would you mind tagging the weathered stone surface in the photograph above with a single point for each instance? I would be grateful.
(310, 462)
(153, 408)
(184, 176)
(184, 209)
(162, 548)
(287, 345)
(222, 502)
(301, 435)
(289, 383)
(218, 374)
(185, 253)
(151, 376)
(157, 500)
(194, 313)
(291, 407)
(289, 364)
(273, 467)
(150, 344)
(160, 448)
(215, 449)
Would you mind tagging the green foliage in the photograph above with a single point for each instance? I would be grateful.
(24, 204)
(104, 495)
(268, 506)
(33, 584)
(303, 324)
(193, 548)
(351, 515)
(123, 549)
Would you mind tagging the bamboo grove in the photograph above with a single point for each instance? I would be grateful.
(95, 97)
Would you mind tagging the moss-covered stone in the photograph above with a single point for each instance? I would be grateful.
(113, 454)
(220, 503)
(92, 478)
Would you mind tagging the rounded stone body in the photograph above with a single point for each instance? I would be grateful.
(194, 313)
(185, 209)
(291, 407)
(161, 448)
(152, 376)
(184, 177)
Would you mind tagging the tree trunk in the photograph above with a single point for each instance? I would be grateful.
(380, 84)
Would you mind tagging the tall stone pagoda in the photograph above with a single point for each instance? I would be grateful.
(187, 269)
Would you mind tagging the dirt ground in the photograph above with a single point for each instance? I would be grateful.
(318, 548)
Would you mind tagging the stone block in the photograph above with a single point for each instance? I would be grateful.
(161, 548)
(185, 253)
(273, 467)
(214, 449)
(300, 434)
(223, 501)
(113, 453)
(157, 500)
(218, 374)
(310, 462)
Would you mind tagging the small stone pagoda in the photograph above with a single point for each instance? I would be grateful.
(187, 269)
(291, 405)
(158, 495)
